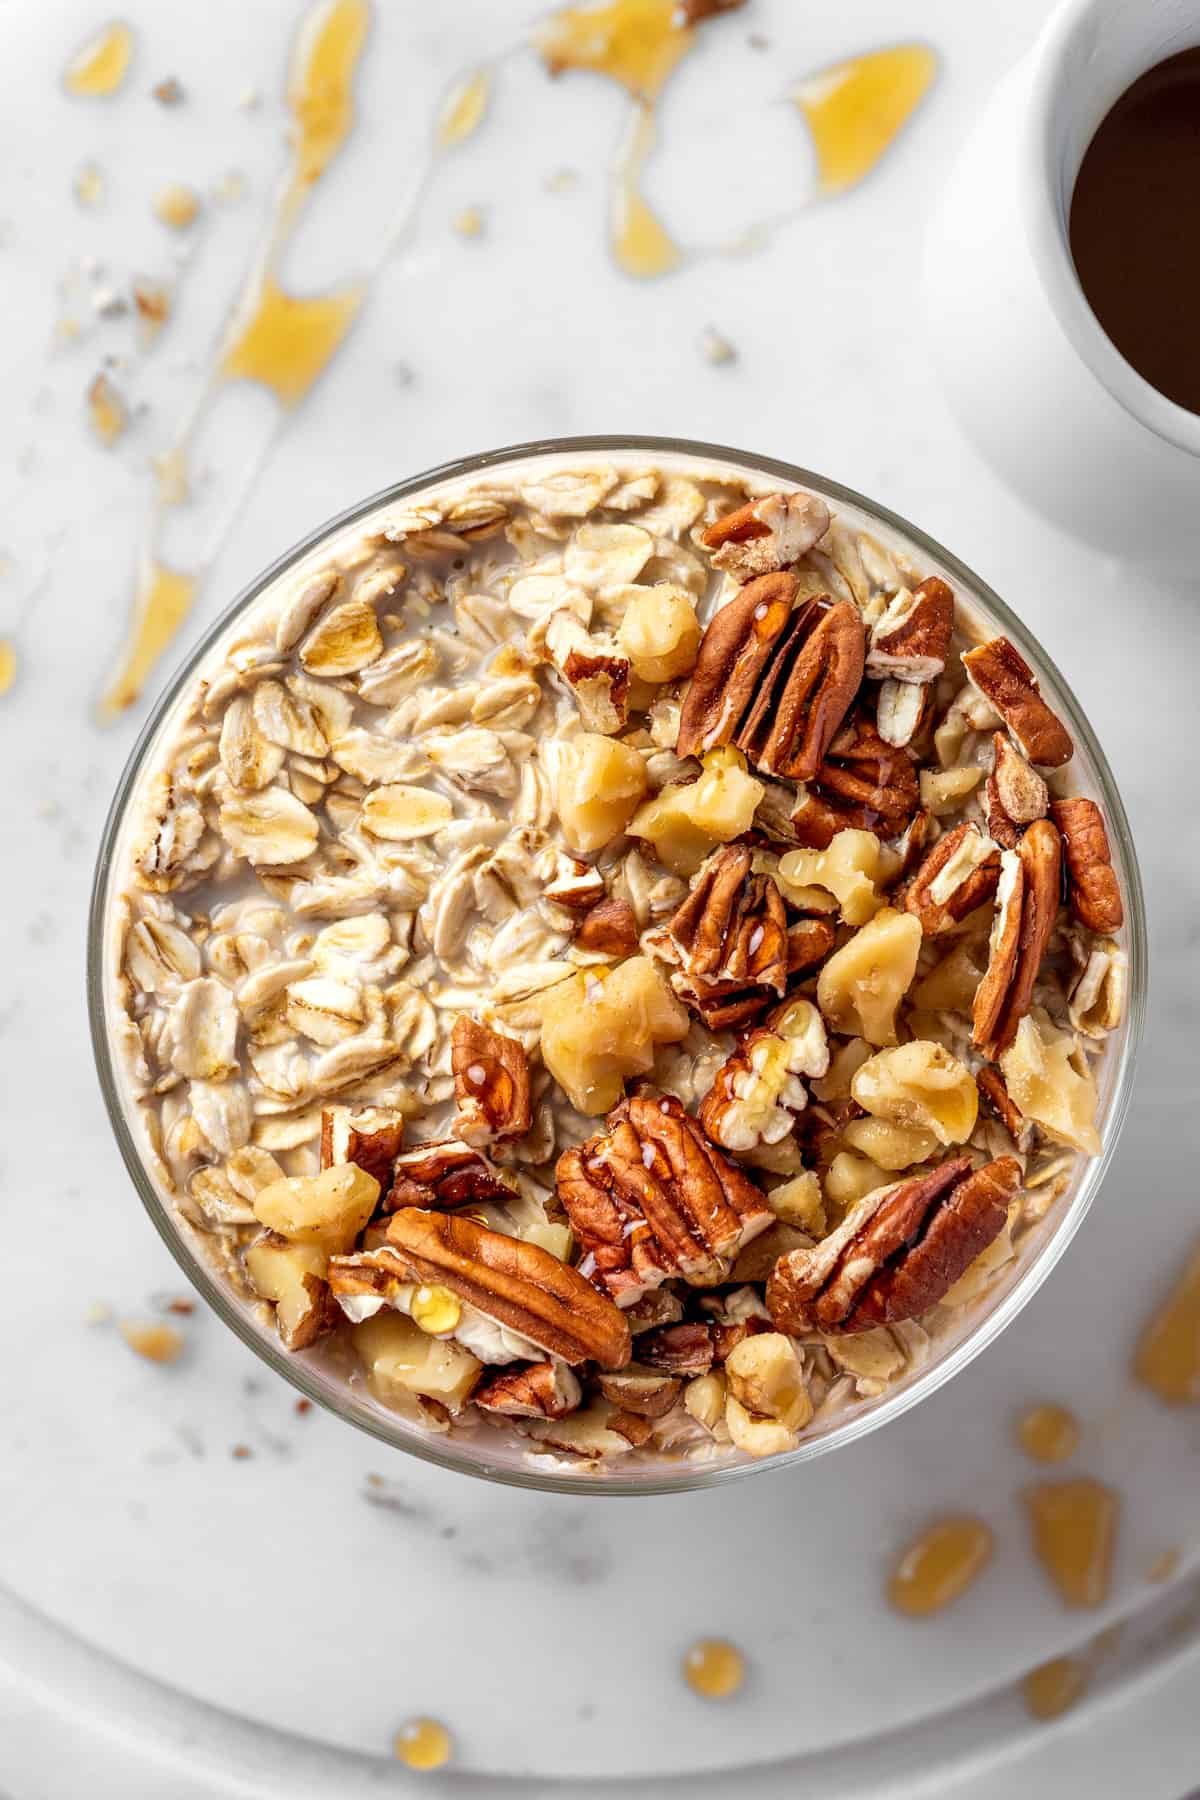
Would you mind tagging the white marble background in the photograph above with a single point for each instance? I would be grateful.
(545, 1631)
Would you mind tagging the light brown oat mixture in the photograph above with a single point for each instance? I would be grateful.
(613, 958)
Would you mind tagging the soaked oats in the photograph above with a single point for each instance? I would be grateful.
(592, 967)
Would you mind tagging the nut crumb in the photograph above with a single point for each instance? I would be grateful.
(98, 1313)
(152, 300)
(89, 184)
(303, 1406)
(157, 1343)
(241, 1452)
(469, 222)
(177, 205)
(108, 414)
(716, 349)
(169, 92)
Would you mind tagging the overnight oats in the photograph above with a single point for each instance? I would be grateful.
(615, 963)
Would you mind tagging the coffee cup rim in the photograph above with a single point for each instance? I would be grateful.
(1046, 228)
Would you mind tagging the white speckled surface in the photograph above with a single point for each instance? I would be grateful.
(546, 1631)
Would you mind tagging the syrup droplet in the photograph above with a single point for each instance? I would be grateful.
(714, 1668)
(99, 68)
(1054, 1687)
(855, 110)
(463, 110)
(1163, 1566)
(1074, 1533)
(1048, 1434)
(1168, 1353)
(423, 1744)
(285, 343)
(160, 606)
(939, 1566)
(8, 664)
(435, 1310)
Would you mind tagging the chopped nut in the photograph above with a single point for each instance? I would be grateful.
(862, 984)
(995, 1094)
(704, 1397)
(1092, 891)
(491, 1083)
(758, 1090)
(648, 1392)
(593, 668)
(863, 783)
(1016, 793)
(601, 1027)
(889, 1143)
(911, 639)
(545, 1390)
(445, 1173)
(329, 1209)
(1050, 1082)
(107, 411)
(1026, 908)
(609, 928)
(599, 788)
(1096, 1004)
(729, 940)
(686, 820)
(660, 633)
(999, 672)
(650, 1198)
(764, 1375)
(405, 1366)
(370, 1136)
(960, 873)
(157, 1343)
(292, 1276)
(848, 867)
(896, 1252)
(766, 535)
(921, 1086)
(177, 205)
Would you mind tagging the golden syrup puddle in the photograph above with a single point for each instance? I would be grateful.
(1048, 1434)
(1074, 1534)
(856, 110)
(100, 66)
(1053, 1688)
(1167, 1360)
(939, 1566)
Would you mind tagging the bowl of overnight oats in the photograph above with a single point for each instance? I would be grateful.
(617, 963)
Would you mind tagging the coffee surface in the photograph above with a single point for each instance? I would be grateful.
(1133, 227)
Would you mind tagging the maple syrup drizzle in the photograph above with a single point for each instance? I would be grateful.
(939, 1566)
(161, 602)
(100, 66)
(640, 243)
(1167, 1359)
(856, 110)
(1074, 1534)
(1054, 1687)
(463, 110)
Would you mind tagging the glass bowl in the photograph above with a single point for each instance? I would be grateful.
(489, 1453)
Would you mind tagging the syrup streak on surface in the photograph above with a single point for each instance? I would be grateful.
(463, 109)
(1074, 1535)
(8, 664)
(161, 602)
(1167, 1360)
(1054, 1687)
(100, 66)
(640, 243)
(939, 1566)
(856, 110)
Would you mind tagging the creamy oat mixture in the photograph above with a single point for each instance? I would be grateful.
(612, 958)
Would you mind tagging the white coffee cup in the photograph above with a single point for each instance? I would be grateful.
(1030, 373)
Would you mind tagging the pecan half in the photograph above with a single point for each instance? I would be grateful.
(911, 641)
(767, 534)
(610, 928)
(650, 1198)
(1015, 794)
(544, 1390)
(491, 1083)
(371, 1136)
(897, 1251)
(647, 1392)
(737, 642)
(959, 874)
(863, 784)
(1027, 899)
(732, 928)
(758, 1090)
(993, 1090)
(809, 943)
(1092, 890)
(901, 711)
(594, 670)
(514, 1282)
(445, 1173)
(999, 672)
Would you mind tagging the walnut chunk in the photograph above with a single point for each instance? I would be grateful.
(685, 821)
(660, 633)
(1048, 1077)
(329, 1209)
(599, 787)
(921, 1086)
(862, 984)
(848, 868)
(603, 1025)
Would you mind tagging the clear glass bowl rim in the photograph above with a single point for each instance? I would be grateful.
(464, 1456)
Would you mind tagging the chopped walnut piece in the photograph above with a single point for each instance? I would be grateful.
(518, 1284)
(1047, 1074)
(577, 886)
(919, 1084)
(594, 670)
(292, 1277)
(766, 535)
(862, 784)
(444, 1173)
(1016, 795)
(959, 874)
(609, 928)
(371, 1136)
(729, 939)
(491, 1084)
(1026, 908)
(545, 1390)
(999, 672)
(774, 682)
(1096, 1003)
(758, 1090)
(911, 640)
(1092, 891)
(651, 1198)
(862, 984)
(897, 1251)
(603, 1025)
(693, 12)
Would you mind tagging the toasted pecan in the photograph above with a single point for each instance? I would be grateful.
(542, 1390)
(1027, 901)
(610, 928)
(766, 534)
(960, 873)
(370, 1136)
(1000, 673)
(491, 1083)
(897, 1252)
(734, 650)
(1093, 893)
(1015, 794)
(445, 1173)
(514, 1282)
(911, 641)
(863, 784)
